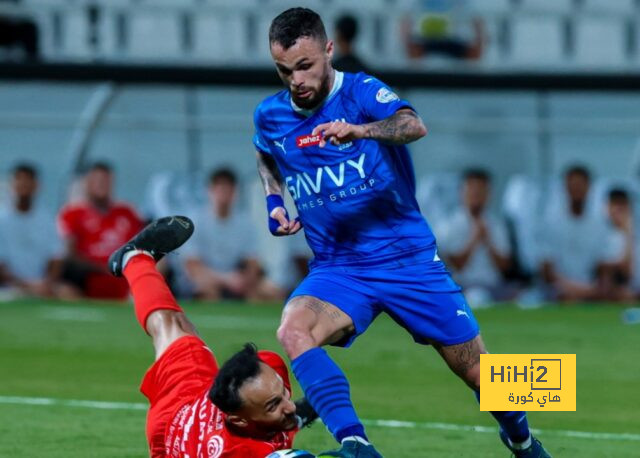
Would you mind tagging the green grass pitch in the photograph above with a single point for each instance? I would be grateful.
(97, 352)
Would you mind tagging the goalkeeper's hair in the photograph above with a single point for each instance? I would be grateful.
(240, 368)
(296, 23)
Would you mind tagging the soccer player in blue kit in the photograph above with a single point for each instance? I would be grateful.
(337, 141)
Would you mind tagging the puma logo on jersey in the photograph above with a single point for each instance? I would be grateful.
(281, 145)
(461, 313)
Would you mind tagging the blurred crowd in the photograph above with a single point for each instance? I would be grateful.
(64, 256)
(581, 255)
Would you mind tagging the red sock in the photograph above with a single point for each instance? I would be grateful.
(150, 291)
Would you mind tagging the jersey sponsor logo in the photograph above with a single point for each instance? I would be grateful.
(304, 141)
(281, 145)
(330, 184)
(215, 446)
(461, 313)
(302, 182)
(384, 95)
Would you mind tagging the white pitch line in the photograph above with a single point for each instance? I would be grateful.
(106, 405)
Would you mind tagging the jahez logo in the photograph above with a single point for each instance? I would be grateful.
(308, 140)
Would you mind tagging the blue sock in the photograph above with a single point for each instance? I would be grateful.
(513, 423)
(327, 389)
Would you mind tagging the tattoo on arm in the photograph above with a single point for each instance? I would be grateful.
(403, 127)
(269, 174)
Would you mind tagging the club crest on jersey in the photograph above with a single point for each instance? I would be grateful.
(384, 95)
(304, 141)
(215, 446)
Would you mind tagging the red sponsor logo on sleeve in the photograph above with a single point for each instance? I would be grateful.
(308, 140)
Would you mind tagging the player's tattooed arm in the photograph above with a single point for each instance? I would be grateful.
(269, 174)
(279, 223)
(405, 126)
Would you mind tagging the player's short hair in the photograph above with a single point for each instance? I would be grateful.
(296, 23)
(240, 368)
(101, 166)
(223, 173)
(26, 168)
(618, 195)
(347, 27)
(579, 170)
(477, 174)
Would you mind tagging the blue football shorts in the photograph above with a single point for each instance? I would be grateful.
(421, 297)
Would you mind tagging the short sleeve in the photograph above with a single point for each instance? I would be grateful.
(54, 245)
(613, 248)
(259, 141)
(192, 248)
(65, 222)
(249, 248)
(453, 234)
(3, 246)
(500, 238)
(378, 101)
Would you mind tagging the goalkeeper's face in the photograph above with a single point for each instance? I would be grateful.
(305, 68)
(266, 405)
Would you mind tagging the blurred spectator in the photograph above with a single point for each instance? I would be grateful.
(347, 60)
(575, 244)
(21, 33)
(92, 230)
(443, 28)
(221, 256)
(618, 274)
(30, 250)
(475, 243)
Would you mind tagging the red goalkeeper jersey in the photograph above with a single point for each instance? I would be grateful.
(183, 422)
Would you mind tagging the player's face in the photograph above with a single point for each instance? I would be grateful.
(267, 405)
(619, 212)
(305, 69)
(24, 185)
(99, 184)
(222, 193)
(577, 187)
(475, 194)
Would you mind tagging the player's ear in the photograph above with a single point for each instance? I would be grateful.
(237, 421)
(329, 49)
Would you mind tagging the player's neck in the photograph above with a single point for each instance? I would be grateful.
(101, 205)
(24, 204)
(577, 208)
(222, 211)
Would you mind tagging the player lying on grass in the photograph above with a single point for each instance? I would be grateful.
(197, 410)
(337, 141)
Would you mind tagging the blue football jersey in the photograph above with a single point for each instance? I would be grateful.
(357, 200)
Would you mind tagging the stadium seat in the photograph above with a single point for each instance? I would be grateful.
(488, 7)
(600, 42)
(154, 35)
(547, 6)
(521, 208)
(610, 6)
(438, 195)
(220, 36)
(537, 41)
